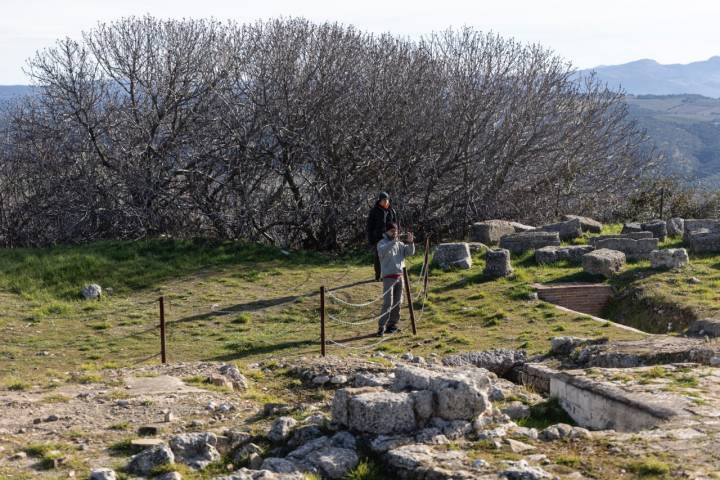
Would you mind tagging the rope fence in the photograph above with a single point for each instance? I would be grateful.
(160, 330)
(327, 318)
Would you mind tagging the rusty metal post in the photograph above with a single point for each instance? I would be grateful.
(410, 300)
(163, 357)
(426, 266)
(322, 321)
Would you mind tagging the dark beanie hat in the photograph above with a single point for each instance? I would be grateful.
(390, 226)
(383, 196)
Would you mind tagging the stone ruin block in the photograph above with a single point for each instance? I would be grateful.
(603, 262)
(632, 227)
(572, 254)
(586, 223)
(675, 227)
(669, 258)
(521, 227)
(634, 235)
(657, 227)
(490, 231)
(417, 395)
(567, 230)
(700, 241)
(449, 255)
(702, 235)
(692, 226)
(522, 242)
(705, 327)
(634, 249)
(497, 263)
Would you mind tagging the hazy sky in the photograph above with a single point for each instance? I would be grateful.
(588, 33)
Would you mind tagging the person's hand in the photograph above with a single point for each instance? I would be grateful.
(410, 237)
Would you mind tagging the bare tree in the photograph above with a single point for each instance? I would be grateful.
(283, 130)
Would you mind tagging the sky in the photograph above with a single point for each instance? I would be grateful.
(587, 33)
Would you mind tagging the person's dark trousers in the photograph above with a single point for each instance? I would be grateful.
(376, 262)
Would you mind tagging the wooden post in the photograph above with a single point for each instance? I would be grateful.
(322, 321)
(426, 266)
(163, 357)
(410, 301)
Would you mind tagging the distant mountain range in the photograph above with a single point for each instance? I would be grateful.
(10, 92)
(649, 77)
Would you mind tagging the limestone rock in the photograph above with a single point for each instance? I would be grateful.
(169, 476)
(522, 242)
(280, 429)
(459, 395)
(144, 462)
(669, 258)
(518, 447)
(500, 361)
(701, 225)
(489, 232)
(303, 435)
(705, 326)
(382, 413)
(449, 255)
(572, 254)
(675, 227)
(521, 227)
(364, 379)
(566, 345)
(477, 247)
(521, 470)
(603, 262)
(633, 247)
(497, 263)
(245, 452)
(657, 227)
(280, 465)
(333, 462)
(631, 228)
(248, 474)
(196, 450)
(587, 224)
(237, 379)
(516, 410)
(423, 461)
(701, 241)
(92, 292)
(567, 230)
(103, 474)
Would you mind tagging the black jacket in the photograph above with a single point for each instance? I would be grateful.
(378, 218)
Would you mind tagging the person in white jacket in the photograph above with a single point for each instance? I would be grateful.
(392, 253)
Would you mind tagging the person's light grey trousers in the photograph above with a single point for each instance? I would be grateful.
(393, 288)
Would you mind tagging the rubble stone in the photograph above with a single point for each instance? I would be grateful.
(497, 263)
(669, 258)
(603, 262)
(453, 255)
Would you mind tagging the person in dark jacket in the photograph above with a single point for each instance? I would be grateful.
(380, 216)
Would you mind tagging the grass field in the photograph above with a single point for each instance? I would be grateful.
(240, 302)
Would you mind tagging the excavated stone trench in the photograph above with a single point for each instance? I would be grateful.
(631, 307)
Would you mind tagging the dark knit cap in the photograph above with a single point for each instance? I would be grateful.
(383, 196)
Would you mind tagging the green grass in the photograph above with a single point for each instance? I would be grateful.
(649, 467)
(366, 470)
(216, 310)
(544, 414)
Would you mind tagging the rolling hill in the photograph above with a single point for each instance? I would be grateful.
(643, 77)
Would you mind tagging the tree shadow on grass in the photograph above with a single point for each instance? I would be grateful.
(265, 349)
(261, 304)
